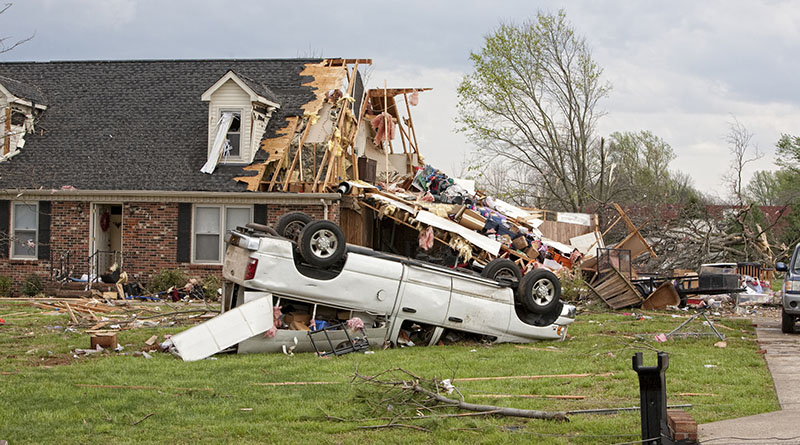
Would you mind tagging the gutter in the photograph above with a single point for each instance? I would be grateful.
(115, 196)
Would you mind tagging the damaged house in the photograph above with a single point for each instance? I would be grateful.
(147, 164)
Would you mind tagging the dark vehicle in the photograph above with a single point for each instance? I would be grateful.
(790, 292)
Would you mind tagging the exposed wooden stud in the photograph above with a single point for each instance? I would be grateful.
(411, 123)
(290, 170)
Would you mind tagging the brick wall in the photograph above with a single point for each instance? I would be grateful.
(149, 239)
(69, 232)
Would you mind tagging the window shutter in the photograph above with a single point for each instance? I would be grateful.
(44, 230)
(5, 222)
(260, 213)
(184, 232)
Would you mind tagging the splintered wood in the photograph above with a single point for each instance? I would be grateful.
(615, 289)
(277, 148)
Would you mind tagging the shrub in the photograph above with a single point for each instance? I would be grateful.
(573, 288)
(211, 284)
(5, 285)
(32, 286)
(166, 279)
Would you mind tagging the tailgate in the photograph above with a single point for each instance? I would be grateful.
(236, 259)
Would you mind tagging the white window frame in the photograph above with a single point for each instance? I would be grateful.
(241, 157)
(13, 231)
(223, 215)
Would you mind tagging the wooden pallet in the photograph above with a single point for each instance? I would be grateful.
(616, 290)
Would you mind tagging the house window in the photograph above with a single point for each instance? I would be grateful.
(209, 222)
(233, 146)
(24, 230)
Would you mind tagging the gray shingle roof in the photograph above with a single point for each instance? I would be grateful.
(259, 88)
(22, 91)
(136, 125)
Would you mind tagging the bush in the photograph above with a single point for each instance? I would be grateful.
(573, 288)
(166, 279)
(211, 284)
(32, 286)
(5, 285)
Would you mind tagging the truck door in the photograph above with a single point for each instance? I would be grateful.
(479, 307)
(425, 296)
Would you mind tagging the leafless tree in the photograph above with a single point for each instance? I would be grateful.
(7, 43)
(743, 152)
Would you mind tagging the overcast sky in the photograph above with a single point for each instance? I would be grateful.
(681, 69)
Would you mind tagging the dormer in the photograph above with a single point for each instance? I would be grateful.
(19, 105)
(238, 112)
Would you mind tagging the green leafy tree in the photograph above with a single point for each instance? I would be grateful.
(532, 100)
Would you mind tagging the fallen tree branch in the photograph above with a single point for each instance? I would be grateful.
(407, 389)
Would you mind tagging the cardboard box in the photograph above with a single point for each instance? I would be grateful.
(106, 340)
(531, 253)
(297, 316)
(520, 243)
(472, 220)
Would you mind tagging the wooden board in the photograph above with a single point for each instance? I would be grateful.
(615, 290)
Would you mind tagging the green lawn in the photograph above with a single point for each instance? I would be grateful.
(218, 400)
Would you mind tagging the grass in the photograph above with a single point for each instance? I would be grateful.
(42, 402)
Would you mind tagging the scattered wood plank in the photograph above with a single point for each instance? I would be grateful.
(533, 377)
(160, 388)
(615, 290)
(528, 396)
(294, 383)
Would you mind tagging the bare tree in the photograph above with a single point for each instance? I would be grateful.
(6, 42)
(743, 152)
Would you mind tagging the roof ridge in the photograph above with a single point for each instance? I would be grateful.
(86, 61)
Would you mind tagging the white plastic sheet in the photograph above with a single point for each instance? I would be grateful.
(219, 142)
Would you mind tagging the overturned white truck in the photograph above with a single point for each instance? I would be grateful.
(398, 299)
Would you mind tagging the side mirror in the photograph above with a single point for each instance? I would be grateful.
(781, 267)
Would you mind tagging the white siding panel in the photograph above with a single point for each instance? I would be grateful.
(231, 96)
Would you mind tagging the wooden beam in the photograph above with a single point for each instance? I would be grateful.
(297, 156)
(278, 162)
(411, 124)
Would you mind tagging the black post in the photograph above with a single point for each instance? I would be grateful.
(653, 393)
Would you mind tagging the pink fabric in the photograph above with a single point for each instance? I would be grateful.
(355, 324)
(427, 197)
(414, 99)
(426, 239)
(276, 318)
(381, 133)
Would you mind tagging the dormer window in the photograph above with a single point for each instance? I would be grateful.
(233, 141)
(19, 105)
(239, 109)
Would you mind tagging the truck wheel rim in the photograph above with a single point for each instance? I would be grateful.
(323, 243)
(504, 273)
(293, 229)
(543, 291)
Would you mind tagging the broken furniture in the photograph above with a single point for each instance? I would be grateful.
(701, 313)
(352, 344)
(616, 290)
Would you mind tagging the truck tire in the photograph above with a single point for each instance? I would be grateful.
(787, 322)
(322, 243)
(290, 225)
(539, 291)
(502, 268)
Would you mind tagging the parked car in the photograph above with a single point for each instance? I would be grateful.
(399, 299)
(790, 292)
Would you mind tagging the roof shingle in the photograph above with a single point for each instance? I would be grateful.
(136, 125)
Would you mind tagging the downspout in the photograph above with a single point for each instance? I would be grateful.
(325, 206)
